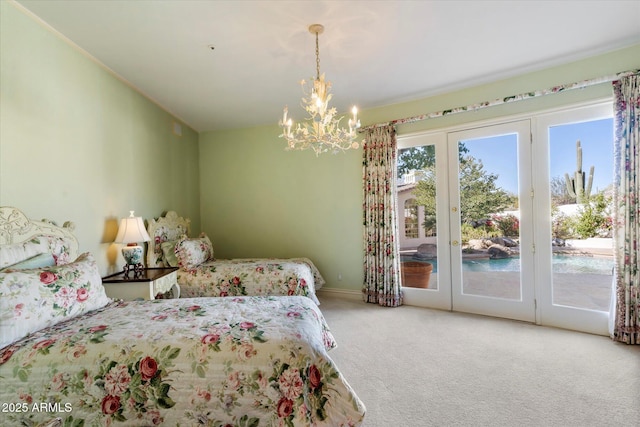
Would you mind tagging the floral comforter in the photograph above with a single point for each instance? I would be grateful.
(245, 276)
(243, 361)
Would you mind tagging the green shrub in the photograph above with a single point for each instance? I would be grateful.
(469, 232)
(509, 225)
(593, 219)
(562, 226)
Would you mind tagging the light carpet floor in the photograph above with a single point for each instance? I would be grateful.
(416, 367)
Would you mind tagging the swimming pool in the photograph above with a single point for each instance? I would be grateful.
(572, 264)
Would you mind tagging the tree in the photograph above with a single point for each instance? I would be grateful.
(425, 193)
(416, 158)
(479, 195)
(422, 157)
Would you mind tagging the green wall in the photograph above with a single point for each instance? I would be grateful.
(259, 200)
(79, 144)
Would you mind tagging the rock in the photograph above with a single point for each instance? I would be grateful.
(427, 251)
(558, 242)
(476, 244)
(510, 243)
(497, 241)
(499, 252)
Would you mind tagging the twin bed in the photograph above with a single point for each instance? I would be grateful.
(200, 274)
(71, 354)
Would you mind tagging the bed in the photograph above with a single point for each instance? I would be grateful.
(201, 275)
(70, 354)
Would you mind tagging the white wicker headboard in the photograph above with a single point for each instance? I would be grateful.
(15, 227)
(164, 229)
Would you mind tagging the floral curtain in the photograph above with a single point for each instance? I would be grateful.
(626, 304)
(381, 248)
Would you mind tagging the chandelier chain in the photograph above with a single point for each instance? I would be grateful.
(317, 58)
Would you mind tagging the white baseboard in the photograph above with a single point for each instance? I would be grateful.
(342, 293)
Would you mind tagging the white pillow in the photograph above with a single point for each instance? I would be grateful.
(16, 252)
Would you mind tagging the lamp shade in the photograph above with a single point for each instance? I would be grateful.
(132, 230)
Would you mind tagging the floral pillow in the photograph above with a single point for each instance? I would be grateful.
(36, 298)
(164, 234)
(59, 248)
(193, 252)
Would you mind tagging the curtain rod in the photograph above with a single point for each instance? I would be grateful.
(527, 95)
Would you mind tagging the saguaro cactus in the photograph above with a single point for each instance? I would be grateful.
(576, 186)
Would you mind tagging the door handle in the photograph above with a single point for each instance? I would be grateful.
(454, 243)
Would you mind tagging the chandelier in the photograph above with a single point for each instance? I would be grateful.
(321, 132)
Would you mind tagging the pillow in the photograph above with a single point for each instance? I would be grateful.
(163, 234)
(38, 261)
(193, 252)
(36, 298)
(17, 252)
(169, 252)
(59, 248)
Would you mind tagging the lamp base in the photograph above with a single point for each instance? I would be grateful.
(137, 269)
(132, 254)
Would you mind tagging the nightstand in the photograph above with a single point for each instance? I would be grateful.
(148, 285)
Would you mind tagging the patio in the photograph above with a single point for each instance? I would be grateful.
(580, 290)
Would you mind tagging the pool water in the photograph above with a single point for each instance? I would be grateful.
(572, 264)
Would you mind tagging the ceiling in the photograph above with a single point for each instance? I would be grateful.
(374, 52)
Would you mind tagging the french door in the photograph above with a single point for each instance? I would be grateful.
(482, 208)
(462, 168)
(490, 221)
(574, 273)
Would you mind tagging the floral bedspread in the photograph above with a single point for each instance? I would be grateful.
(240, 361)
(246, 276)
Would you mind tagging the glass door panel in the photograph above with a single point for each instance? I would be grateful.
(582, 245)
(490, 218)
(424, 230)
(491, 221)
(575, 257)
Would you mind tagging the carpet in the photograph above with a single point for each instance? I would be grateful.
(414, 366)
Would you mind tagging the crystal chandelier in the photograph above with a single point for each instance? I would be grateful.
(321, 132)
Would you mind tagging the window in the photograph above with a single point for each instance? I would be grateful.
(411, 219)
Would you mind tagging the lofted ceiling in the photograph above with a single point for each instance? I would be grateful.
(374, 52)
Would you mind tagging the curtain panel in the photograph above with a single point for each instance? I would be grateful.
(626, 304)
(381, 247)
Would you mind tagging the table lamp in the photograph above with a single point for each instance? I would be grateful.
(132, 231)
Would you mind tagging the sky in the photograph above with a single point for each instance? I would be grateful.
(499, 154)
